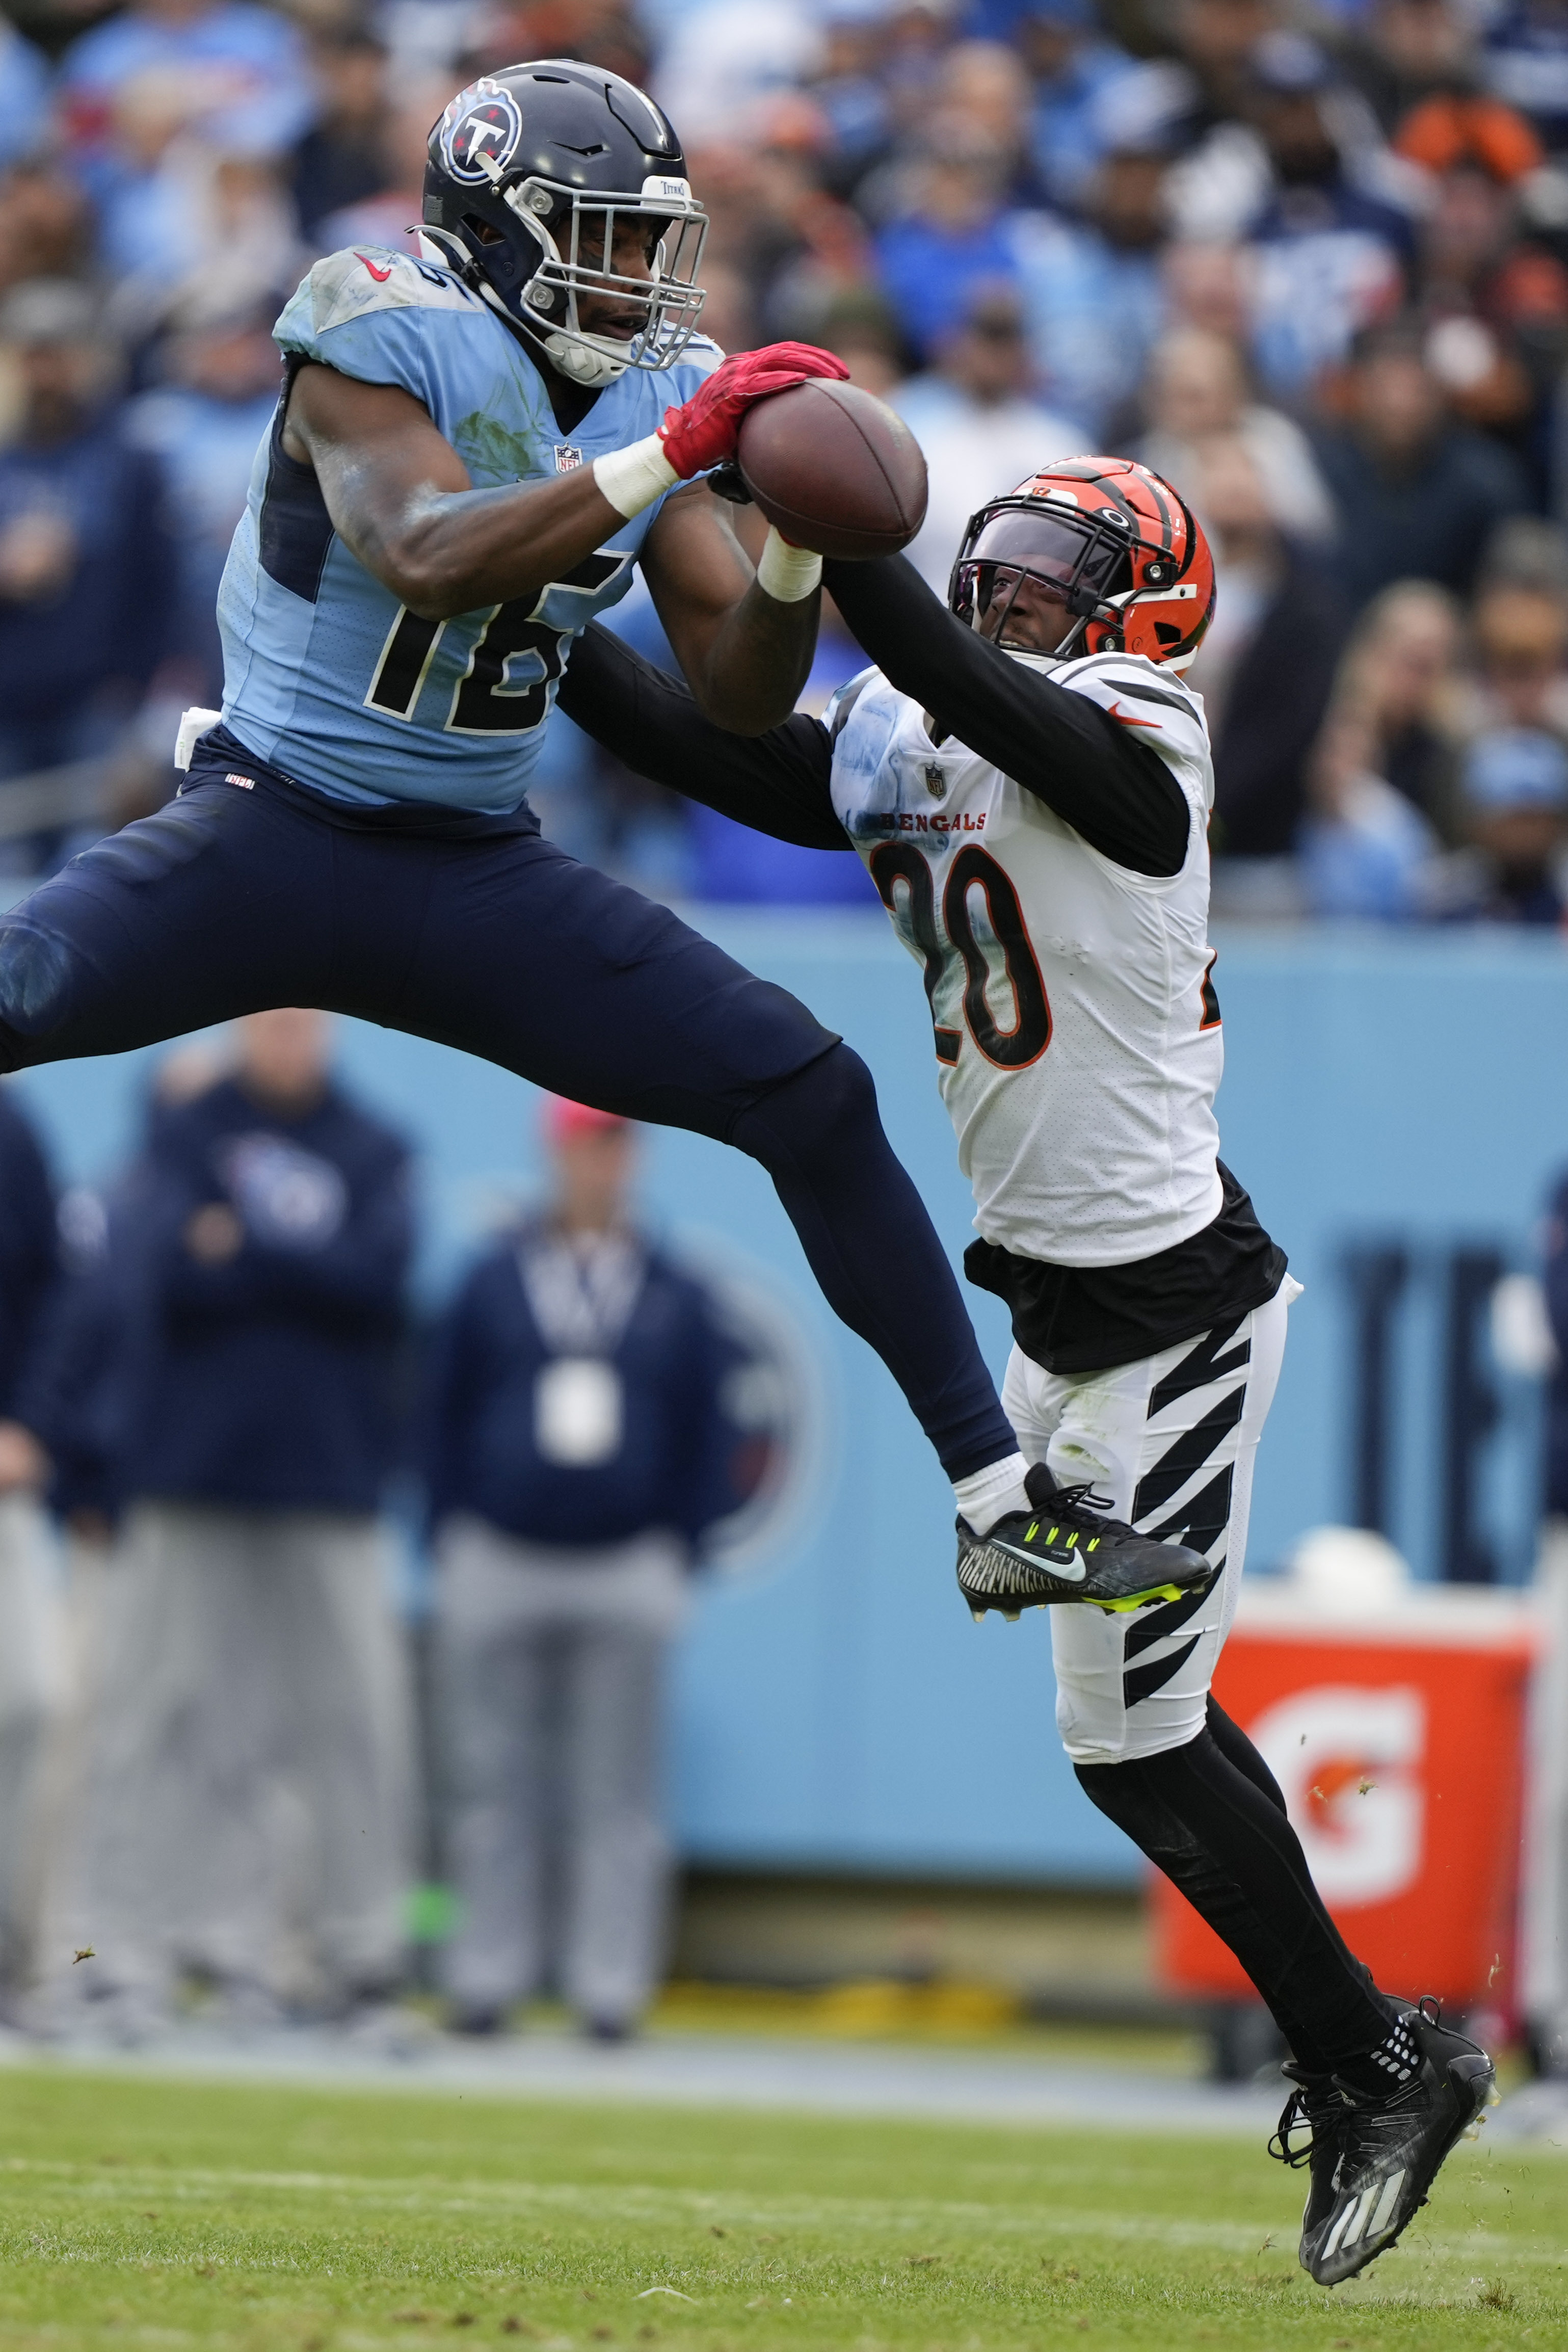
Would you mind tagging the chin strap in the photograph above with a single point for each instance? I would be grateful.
(585, 359)
(1066, 651)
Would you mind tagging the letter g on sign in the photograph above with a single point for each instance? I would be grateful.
(1363, 1843)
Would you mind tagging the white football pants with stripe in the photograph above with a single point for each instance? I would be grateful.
(1171, 1439)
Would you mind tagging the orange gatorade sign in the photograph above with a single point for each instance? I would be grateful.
(1398, 1740)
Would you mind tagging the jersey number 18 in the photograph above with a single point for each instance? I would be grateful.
(482, 702)
(485, 702)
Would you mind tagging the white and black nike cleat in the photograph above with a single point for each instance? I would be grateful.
(1066, 1550)
(1374, 2158)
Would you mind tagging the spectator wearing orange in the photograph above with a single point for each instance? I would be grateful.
(1495, 300)
(1457, 126)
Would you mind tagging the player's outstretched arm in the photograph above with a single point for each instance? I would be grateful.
(1097, 777)
(778, 783)
(401, 498)
(744, 639)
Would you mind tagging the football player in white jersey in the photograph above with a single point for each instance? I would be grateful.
(1030, 781)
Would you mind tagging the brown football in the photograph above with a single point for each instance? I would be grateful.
(834, 468)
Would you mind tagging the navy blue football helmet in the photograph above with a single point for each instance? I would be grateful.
(531, 173)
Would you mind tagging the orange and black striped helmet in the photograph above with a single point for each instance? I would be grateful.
(1113, 541)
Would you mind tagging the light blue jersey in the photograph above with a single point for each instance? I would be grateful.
(325, 674)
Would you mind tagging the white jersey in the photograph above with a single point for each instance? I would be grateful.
(1078, 1038)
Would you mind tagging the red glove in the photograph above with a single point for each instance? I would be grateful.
(702, 432)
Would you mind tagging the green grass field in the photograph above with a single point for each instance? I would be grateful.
(147, 2213)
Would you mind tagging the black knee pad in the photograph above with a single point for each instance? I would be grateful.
(1120, 1792)
(1138, 1797)
(824, 1108)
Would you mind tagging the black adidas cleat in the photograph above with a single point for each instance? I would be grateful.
(1066, 1550)
(1373, 2159)
(1317, 2105)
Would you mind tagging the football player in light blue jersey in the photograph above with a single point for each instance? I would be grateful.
(395, 632)
(471, 450)
(373, 690)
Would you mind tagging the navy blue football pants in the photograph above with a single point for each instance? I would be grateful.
(250, 891)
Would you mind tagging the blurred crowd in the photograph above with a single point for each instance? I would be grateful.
(1307, 257)
(236, 1736)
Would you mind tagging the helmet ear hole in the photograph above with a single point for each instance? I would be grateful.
(1167, 634)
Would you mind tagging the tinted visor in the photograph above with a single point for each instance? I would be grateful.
(1064, 549)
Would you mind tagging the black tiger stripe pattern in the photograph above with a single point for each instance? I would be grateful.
(1201, 1518)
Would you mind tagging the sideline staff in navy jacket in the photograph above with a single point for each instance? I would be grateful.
(29, 1252)
(28, 1630)
(496, 1451)
(249, 1640)
(275, 1252)
(579, 1450)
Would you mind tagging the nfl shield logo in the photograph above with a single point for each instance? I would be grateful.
(567, 459)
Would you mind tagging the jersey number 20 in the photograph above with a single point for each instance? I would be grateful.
(972, 868)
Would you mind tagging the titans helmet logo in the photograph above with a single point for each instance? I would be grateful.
(484, 125)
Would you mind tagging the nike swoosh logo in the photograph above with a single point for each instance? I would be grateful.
(1068, 1573)
(1114, 710)
(382, 275)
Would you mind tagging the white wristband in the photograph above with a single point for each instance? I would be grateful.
(632, 479)
(787, 573)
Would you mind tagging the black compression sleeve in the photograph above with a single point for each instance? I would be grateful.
(776, 784)
(1111, 789)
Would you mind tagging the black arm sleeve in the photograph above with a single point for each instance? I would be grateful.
(1109, 787)
(776, 784)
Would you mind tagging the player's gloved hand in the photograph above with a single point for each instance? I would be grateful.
(702, 432)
